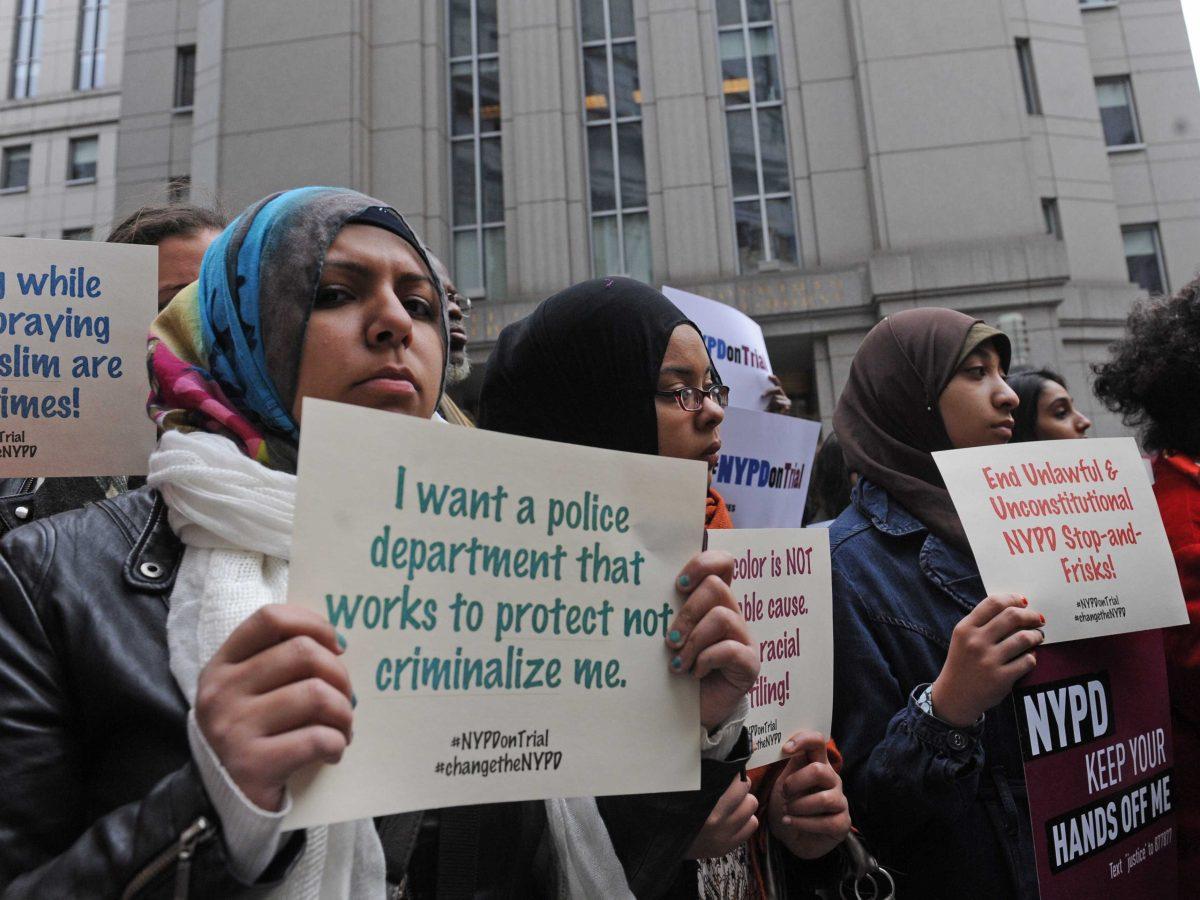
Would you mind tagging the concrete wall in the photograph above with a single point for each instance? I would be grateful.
(50, 119)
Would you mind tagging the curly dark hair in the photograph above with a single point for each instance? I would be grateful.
(1154, 371)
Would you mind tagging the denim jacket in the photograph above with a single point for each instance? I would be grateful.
(944, 808)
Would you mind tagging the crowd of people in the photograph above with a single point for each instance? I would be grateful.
(156, 693)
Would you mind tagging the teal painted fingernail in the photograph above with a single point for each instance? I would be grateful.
(353, 700)
(677, 663)
(684, 581)
(674, 636)
(341, 640)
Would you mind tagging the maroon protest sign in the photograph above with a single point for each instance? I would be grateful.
(1095, 727)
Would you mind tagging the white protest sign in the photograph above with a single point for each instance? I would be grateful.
(782, 582)
(735, 343)
(764, 467)
(73, 322)
(504, 603)
(1072, 525)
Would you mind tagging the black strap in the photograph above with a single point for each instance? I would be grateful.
(458, 852)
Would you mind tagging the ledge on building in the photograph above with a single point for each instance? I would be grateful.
(16, 189)
(182, 110)
(1107, 4)
(1127, 148)
(74, 182)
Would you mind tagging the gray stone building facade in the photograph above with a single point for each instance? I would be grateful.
(816, 163)
(59, 109)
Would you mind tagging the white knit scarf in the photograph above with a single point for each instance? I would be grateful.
(234, 517)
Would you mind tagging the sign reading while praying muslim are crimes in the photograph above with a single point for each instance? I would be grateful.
(781, 580)
(504, 603)
(1095, 724)
(1073, 526)
(73, 323)
(735, 344)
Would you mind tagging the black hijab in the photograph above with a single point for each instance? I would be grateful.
(582, 368)
(887, 419)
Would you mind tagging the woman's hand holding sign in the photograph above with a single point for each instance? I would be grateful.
(275, 698)
(710, 638)
(807, 809)
(990, 649)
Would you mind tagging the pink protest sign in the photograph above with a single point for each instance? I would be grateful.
(1095, 727)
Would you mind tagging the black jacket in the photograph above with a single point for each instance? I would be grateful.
(98, 792)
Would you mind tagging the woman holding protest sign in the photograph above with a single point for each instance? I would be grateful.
(156, 692)
(1047, 411)
(612, 363)
(925, 661)
(1146, 381)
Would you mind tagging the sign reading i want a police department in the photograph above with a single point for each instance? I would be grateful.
(73, 323)
(504, 603)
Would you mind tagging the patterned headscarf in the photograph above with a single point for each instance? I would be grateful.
(224, 355)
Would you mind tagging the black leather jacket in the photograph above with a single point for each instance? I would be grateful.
(98, 792)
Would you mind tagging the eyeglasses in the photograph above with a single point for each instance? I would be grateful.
(462, 301)
(690, 399)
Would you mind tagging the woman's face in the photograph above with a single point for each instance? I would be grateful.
(1057, 417)
(683, 434)
(374, 336)
(977, 404)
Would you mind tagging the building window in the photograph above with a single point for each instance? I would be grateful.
(1117, 113)
(179, 189)
(27, 50)
(1050, 214)
(612, 101)
(1033, 100)
(476, 177)
(14, 171)
(758, 152)
(81, 158)
(77, 234)
(93, 35)
(1143, 256)
(185, 76)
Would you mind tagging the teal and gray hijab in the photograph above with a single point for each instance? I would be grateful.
(224, 355)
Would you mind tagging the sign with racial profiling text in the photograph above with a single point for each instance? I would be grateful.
(504, 603)
(73, 323)
(735, 343)
(1095, 724)
(1072, 525)
(781, 579)
(764, 467)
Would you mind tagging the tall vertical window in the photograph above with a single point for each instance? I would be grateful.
(93, 35)
(1033, 101)
(185, 76)
(1143, 256)
(612, 101)
(14, 171)
(27, 50)
(477, 187)
(82, 155)
(1117, 115)
(1050, 214)
(758, 154)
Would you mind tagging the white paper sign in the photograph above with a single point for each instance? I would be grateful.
(1072, 525)
(73, 322)
(735, 343)
(504, 602)
(764, 468)
(782, 583)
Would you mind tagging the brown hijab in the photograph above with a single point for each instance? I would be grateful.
(887, 419)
